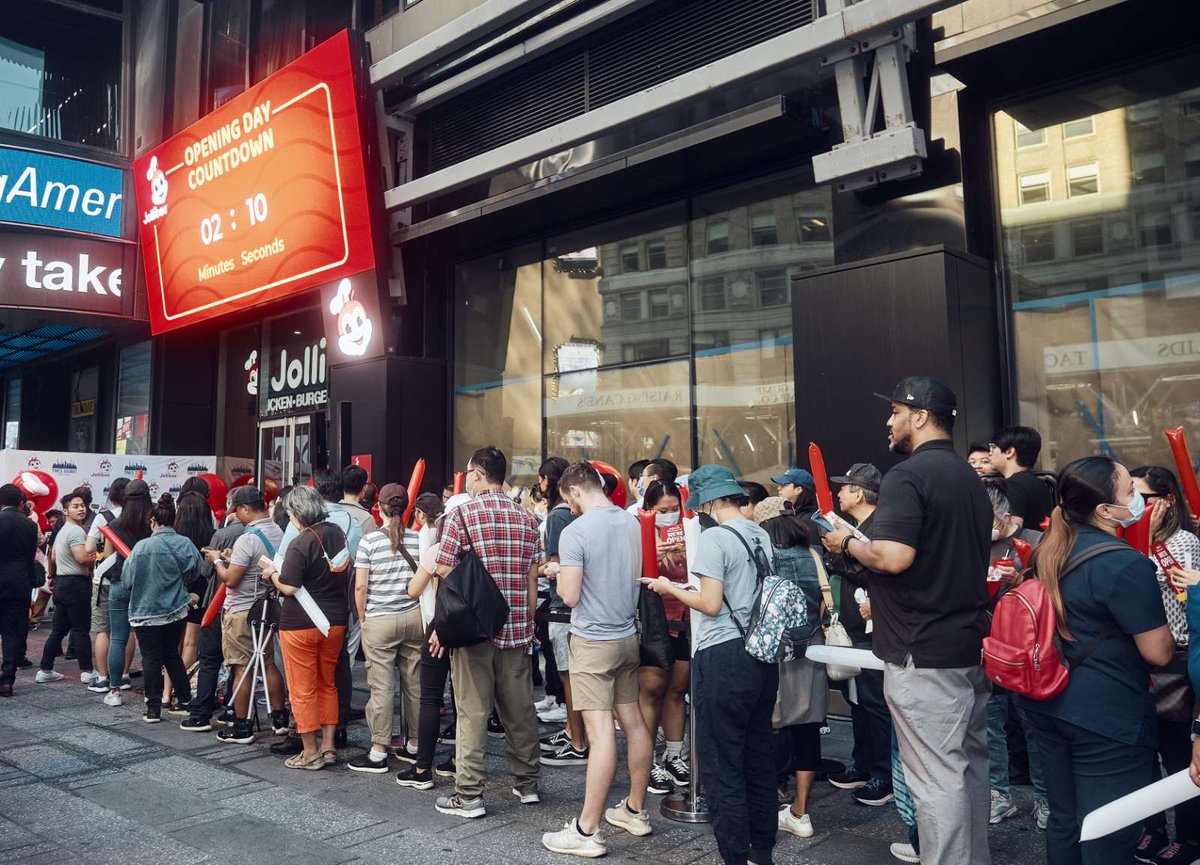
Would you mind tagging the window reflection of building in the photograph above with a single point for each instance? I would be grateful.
(1101, 241)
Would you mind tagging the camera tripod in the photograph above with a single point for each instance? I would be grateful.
(263, 620)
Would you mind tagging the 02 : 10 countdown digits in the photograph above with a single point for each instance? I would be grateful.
(210, 226)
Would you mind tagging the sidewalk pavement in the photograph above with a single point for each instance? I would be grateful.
(85, 784)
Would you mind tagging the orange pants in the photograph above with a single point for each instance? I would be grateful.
(309, 660)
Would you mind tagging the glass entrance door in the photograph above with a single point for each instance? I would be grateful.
(285, 451)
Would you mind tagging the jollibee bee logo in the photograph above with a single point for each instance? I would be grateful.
(34, 463)
(158, 192)
(105, 465)
(251, 367)
(354, 328)
(172, 466)
(153, 488)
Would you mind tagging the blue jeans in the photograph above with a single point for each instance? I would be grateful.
(118, 616)
(999, 705)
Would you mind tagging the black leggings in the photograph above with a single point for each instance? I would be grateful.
(72, 615)
(160, 647)
(434, 672)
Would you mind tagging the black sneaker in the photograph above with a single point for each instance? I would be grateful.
(237, 733)
(554, 741)
(416, 779)
(340, 738)
(446, 769)
(279, 722)
(567, 755)
(366, 764)
(660, 782)
(677, 768)
(851, 779)
(100, 686)
(152, 715)
(446, 737)
(226, 716)
(24, 663)
(196, 725)
(176, 708)
(875, 792)
(495, 728)
(404, 755)
(1153, 842)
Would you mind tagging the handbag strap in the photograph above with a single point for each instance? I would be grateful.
(408, 557)
(823, 580)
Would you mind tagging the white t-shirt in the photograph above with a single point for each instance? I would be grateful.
(99, 522)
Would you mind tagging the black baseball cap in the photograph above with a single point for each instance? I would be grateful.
(246, 495)
(923, 392)
(430, 504)
(863, 475)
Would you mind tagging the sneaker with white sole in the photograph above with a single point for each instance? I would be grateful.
(1041, 814)
(365, 763)
(677, 768)
(89, 677)
(99, 686)
(905, 853)
(126, 684)
(114, 698)
(555, 715)
(570, 841)
(46, 676)
(544, 704)
(660, 782)
(874, 793)
(415, 780)
(530, 798)
(567, 755)
(554, 741)
(472, 809)
(800, 826)
(1002, 807)
(196, 724)
(633, 822)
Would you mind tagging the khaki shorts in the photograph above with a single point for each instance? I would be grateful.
(100, 622)
(604, 673)
(237, 643)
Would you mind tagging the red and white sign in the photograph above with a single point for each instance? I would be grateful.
(264, 197)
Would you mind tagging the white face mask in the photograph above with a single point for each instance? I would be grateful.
(666, 520)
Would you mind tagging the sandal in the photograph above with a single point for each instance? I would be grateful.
(329, 757)
(299, 761)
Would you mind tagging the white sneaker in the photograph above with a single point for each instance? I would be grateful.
(1002, 808)
(113, 698)
(531, 798)
(44, 676)
(547, 702)
(633, 822)
(570, 841)
(1041, 814)
(800, 826)
(89, 678)
(553, 715)
(905, 853)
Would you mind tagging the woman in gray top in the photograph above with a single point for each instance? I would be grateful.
(156, 574)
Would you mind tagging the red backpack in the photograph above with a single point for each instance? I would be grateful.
(1021, 654)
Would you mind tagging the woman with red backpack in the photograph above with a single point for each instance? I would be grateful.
(1098, 734)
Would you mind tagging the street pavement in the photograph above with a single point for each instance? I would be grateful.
(85, 784)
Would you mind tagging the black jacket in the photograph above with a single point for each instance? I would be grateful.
(18, 548)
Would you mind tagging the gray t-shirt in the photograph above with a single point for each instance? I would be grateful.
(606, 542)
(722, 557)
(70, 535)
(247, 550)
(559, 518)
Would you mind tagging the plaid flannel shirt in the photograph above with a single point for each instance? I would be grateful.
(505, 538)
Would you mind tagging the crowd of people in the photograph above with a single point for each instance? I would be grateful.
(912, 569)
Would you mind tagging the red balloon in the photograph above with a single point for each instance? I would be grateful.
(218, 492)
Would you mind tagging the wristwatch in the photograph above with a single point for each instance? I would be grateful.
(1196, 727)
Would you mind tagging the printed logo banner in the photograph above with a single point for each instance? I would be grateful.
(164, 474)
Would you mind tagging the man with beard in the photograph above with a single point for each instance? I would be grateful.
(928, 558)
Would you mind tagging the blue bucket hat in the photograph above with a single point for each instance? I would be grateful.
(799, 477)
(711, 482)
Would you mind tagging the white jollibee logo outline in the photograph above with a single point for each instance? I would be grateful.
(251, 367)
(354, 328)
(158, 192)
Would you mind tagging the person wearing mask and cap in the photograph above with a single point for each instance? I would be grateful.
(927, 559)
(796, 487)
(392, 633)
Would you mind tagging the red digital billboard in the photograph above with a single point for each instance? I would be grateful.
(264, 197)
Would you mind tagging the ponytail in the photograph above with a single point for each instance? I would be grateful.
(1050, 558)
(394, 509)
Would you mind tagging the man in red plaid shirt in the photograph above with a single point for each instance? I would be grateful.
(505, 537)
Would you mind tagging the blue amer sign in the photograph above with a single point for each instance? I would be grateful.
(59, 192)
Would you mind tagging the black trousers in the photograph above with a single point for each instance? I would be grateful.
(554, 686)
(1085, 770)
(14, 628)
(160, 648)
(871, 721)
(1175, 751)
(204, 701)
(734, 697)
(434, 672)
(343, 680)
(72, 615)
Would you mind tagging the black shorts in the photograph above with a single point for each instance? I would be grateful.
(681, 648)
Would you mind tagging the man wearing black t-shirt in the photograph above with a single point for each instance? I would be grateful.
(928, 557)
(1014, 452)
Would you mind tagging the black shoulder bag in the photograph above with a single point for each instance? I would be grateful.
(470, 606)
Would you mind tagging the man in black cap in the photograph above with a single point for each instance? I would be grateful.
(928, 558)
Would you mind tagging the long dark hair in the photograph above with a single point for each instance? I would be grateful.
(552, 470)
(394, 509)
(788, 530)
(1082, 486)
(657, 490)
(1179, 517)
(133, 524)
(193, 519)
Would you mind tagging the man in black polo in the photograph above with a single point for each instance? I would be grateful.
(928, 558)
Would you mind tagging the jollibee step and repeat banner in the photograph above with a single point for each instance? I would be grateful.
(164, 474)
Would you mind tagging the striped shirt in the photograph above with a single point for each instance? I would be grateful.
(388, 572)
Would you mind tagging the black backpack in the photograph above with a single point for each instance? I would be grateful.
(470, 607)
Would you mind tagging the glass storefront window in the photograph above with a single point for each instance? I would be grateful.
(133, 400)
(228, 50)
(12, 413)
(60, 74)
(1104, 278)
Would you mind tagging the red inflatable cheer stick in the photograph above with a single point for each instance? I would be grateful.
(115, 540)
(1183, 464)
(214, 606)
(460, 482)
(414, 487)
(649, 544)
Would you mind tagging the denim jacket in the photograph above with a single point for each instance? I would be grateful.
(156, 573)
(1193, 616)
(796, 565)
